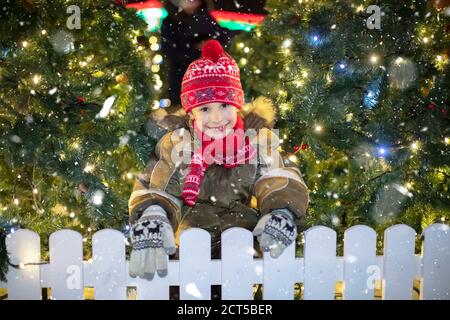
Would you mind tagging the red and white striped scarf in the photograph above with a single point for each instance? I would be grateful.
(230, 151)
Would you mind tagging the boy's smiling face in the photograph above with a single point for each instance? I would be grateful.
(215, 118)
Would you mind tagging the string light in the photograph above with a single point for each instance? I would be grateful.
(88, 168)
(399, 60)
(374, 59)
(35, 190)
(318, 128)
(298, 83)
(157, 59)
(155, 68)
(415, 146)
(243, 61)
(24, 44)
(286, 43)
(381, 152)
(36, 79)
(447, 140)
(154, 47)
(293, 158)
(441, 61)
(153, 40)
(16, 201)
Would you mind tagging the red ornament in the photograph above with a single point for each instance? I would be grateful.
(295, 148)
(304, 146)
(80, 100)
(443, 110)
(431, 106)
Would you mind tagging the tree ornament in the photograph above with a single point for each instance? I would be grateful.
(122, 78)
(402, 73)
(82, 187)
(62, 42)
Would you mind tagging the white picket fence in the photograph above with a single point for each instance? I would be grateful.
(237, 271)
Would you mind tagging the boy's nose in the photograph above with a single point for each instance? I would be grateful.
(215, 116)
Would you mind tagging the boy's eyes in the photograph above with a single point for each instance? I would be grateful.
(205, 109)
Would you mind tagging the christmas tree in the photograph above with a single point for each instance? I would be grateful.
(363, 96)
(75, 88)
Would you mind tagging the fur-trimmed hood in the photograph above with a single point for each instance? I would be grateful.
(257, 114)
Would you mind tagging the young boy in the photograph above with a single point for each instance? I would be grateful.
(209, 174)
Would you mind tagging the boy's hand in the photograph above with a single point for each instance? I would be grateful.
(276, 231)
(152, 239)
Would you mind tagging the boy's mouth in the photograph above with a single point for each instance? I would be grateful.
(220, 128)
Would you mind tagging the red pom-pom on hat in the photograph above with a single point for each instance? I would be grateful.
(212, 49)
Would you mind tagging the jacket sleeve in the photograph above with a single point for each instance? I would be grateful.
(279, 182)
(149, 186)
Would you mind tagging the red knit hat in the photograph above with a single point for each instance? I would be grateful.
(214, 77)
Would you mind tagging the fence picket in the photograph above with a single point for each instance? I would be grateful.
(399, 262)
(195, 264)
(238, 272)
(66, 270)
(24, 247)
(108, 267)
(280, 275)
(436, 263)
(320, 263)
(359, 263)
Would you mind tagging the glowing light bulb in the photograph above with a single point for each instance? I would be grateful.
(399, 60)
(88, 168)
(415, 146)
(286, 43)
(36, 79)
(318, 128)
